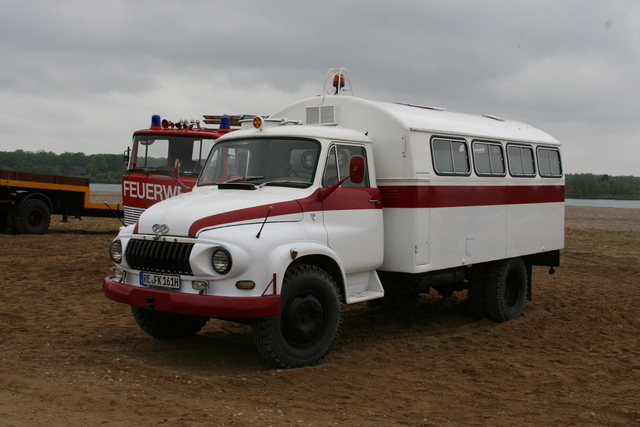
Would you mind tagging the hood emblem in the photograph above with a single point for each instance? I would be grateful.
(160, 230)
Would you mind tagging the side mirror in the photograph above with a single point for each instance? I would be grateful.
(356, 174)
(356, 169)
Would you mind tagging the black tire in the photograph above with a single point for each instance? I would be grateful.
(4, 221)
(165, 325)
(506, 290)
(33, 217)
(476, 299)
(309, 321)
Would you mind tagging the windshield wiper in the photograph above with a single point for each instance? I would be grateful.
(243, 178)
(284, 182)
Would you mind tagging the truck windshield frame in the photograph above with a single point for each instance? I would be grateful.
(158, 153)
(257, 162)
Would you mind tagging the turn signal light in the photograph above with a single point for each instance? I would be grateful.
(245, 284)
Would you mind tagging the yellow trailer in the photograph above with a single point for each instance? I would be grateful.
(27, 201)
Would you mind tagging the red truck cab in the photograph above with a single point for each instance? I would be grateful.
(152, 175)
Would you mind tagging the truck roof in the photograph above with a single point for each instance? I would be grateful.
(329, 132)
(359, 114)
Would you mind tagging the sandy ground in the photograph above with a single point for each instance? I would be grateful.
(72, 357)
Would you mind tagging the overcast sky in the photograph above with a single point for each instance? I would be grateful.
(81, 76)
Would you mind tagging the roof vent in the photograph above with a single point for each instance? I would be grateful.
(323, 115)
(489, 116)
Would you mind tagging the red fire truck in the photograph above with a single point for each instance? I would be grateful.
(165, 160)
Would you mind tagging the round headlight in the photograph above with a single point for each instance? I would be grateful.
(115, 251)
(221, 261)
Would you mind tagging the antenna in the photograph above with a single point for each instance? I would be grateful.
(264, 222)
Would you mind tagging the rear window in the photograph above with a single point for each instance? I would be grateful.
(549, 164)
(450, 156)
(521, 162)
(488, 158)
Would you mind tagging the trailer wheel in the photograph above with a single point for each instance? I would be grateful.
(4, 221)
(33, 217)
(309, 321)
(506, 291)
(165, 325)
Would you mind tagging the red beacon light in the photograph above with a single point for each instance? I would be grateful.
(338, 81)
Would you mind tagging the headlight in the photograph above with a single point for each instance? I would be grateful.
(115, 251)
(221, 261)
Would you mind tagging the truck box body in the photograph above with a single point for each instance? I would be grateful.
(433, 221)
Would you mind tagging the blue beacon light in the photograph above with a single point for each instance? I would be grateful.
(225, 122)
(155, 121)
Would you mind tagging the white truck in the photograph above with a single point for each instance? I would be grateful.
(338, 200)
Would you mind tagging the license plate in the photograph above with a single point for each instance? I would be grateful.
(162, 280)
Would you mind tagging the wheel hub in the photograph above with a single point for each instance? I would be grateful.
(304, 320)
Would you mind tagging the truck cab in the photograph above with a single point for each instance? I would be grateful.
(151, 174)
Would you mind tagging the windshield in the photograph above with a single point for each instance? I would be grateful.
(153, 153)
(262, 161)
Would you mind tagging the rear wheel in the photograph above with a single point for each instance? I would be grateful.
(33, 217)
(506, 291)
(477, 299)
(309, 321)
(165, 325)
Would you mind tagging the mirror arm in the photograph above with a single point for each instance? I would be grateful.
(326, 192)
(175, 174)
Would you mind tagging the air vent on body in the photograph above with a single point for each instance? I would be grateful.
(324, 115)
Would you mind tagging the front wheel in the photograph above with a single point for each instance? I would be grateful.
(165, 325)
(309, 321)
(506, 291)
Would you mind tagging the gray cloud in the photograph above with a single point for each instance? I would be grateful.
(82, 76)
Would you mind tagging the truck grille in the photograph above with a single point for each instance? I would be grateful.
(132, 214)
(159, 257)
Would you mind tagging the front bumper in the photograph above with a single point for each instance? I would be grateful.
(199, 305)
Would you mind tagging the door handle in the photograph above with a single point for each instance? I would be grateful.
(377, 202)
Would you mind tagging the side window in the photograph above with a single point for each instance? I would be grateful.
(337, 166)
(549, 164)
(488, 158)
(521, 161)
(450, 156)
(200, 151)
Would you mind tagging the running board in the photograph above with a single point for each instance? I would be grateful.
(363, 287)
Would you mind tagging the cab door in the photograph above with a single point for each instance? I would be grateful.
(353, 212)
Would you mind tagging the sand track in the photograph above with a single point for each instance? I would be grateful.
(72, 357)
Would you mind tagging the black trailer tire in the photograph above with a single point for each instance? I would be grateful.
(308, 324)
(506, 290)
(165, 325)
(33, 217)
(4, 221)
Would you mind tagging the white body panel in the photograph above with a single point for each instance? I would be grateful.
(425, 220)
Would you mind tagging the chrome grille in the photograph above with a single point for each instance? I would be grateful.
(159, 257)
(132, 214)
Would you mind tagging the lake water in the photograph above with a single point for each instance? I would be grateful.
(604, 203)
(105, 187)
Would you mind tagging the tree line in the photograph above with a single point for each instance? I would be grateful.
(590, 186)
(99, 168)
(108, 169)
